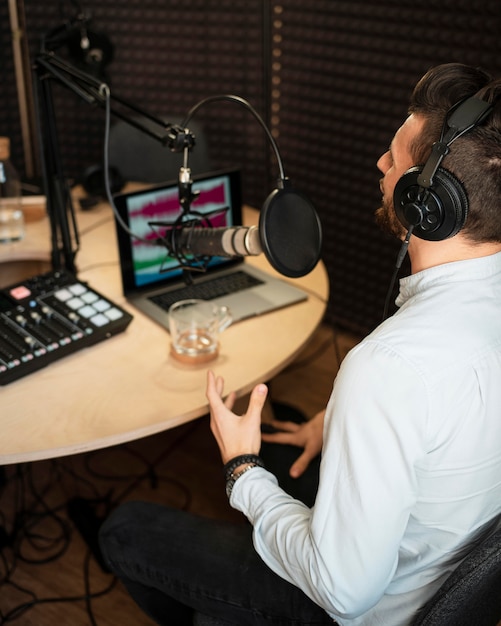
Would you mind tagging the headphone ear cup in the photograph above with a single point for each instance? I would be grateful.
(438, 212)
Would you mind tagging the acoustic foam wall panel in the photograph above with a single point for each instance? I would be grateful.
(333, 78)
(342, 74)
(168, 56)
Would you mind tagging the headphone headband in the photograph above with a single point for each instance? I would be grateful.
(464, 116)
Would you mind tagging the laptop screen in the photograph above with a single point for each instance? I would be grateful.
(144, 264)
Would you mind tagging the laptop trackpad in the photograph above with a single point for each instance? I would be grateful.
(244, 305)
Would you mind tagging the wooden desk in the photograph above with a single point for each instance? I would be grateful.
(129, 387)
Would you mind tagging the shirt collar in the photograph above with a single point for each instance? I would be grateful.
(439, 275)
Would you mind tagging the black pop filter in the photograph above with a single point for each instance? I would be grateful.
(290, 232)
(289, 227)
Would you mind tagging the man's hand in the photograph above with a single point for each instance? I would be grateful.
(235, 434)
(308, 436)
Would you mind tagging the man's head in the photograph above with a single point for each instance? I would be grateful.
(474, 159)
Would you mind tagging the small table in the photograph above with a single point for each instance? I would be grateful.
(128, 387)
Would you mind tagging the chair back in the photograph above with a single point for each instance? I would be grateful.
(471, 595)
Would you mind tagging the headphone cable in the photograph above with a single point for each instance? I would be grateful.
(398, 264)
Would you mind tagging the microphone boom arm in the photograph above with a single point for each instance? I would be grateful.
(50, 67)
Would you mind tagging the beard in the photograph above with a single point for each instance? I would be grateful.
(387, 219)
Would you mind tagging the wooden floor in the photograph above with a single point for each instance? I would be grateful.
(48, 575)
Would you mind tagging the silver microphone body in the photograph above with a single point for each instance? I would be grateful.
(224, 241)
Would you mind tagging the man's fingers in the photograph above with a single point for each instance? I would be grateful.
(290, 427)
(279, 437)
(211, 391)
(300, 464)
(215, 389)
(230, 400)
(257, 399)
(282, 432)
(220, 385)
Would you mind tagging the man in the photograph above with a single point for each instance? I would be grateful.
(410, 439)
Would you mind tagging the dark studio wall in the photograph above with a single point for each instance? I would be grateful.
(167, 56)
(332, 79)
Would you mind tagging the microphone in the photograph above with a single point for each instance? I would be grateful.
(289, 234)
(227, 242)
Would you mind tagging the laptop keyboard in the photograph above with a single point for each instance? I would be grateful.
(208, 290)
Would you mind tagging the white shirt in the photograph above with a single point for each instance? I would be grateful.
(411, 463)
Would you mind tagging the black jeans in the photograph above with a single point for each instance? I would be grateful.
(174, 563)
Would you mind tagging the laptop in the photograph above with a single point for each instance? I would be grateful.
(152, 280)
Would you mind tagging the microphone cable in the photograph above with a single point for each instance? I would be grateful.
(104, 91)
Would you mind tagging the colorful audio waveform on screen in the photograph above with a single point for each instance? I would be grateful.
(150, 262)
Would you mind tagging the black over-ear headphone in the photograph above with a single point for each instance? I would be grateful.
(429, 197)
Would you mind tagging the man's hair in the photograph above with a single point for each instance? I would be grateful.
(475, 158)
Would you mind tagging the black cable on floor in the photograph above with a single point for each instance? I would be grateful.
(31, 510)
